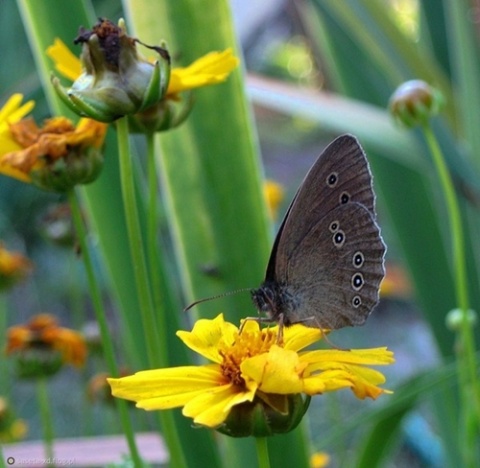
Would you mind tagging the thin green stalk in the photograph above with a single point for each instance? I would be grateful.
(137, 250)
(466, 354)
(4, 385)
(2, 458)
(262, 452)
(100, 315)
(152, 248)
(45, 416)
(143, 284)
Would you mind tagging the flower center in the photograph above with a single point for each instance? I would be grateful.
(246, 345)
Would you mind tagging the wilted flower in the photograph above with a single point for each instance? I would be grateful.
(13, 267)
(56, 156)
(171, 110)
(255, 384)
(115, 80)
(41, 347)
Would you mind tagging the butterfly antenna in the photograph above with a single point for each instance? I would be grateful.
(218, 296)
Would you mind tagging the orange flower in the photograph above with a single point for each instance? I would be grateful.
(56, 156)
(43, 332)
(13, 266)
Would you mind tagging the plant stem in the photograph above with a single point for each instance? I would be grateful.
(153, 250)
(466, 352)
(45, 416)
(143, 285)
(4, 385)
(262, 452)
(100, 315)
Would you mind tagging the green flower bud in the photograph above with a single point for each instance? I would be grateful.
(116, 81)
(163, 116)
(81, 165)
(415, 102)
(281, 414)
(455, 317)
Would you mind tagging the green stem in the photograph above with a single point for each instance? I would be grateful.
(4, 385)
(142, 280)
(466, 353)
(262, 452)
(45, 416)
(153, 251)
(100, 315)
(137, 250)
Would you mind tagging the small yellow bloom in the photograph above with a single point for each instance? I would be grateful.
(250, 366)
(212, 68)
(274, 195)
(13, 267)
(42, 333)
(57, 150)
(319, 460)
(11, 428)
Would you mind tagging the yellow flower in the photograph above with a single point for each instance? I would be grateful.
(13, 266)
(12, 112)
(250, 366)
(274, 194)
(319, 460)
(42, 346)
(11, 428)
(54, 156)
(212, 68)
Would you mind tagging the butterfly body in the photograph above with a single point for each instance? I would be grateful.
(326, 264)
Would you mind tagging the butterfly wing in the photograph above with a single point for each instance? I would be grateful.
(335, 272)
(339, 175)
(311, 266)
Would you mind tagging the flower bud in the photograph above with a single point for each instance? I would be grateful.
(455, 317)
(281, 414)
(56, 225)
(164, 115)
(415, 102)
(115, 81)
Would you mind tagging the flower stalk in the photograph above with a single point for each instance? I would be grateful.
(262, 452)
(142, 280)
(468, 382)
(46, 416)
(100, 315)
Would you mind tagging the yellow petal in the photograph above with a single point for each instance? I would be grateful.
(212, 68)
(175, 382)
(278, 371)
(207, 335)
(298, 336)
(12, 111)
(66, 62)
(325, 358)
(15, 173)
(211, 408)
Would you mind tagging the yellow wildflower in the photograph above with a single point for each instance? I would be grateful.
(250, 367)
